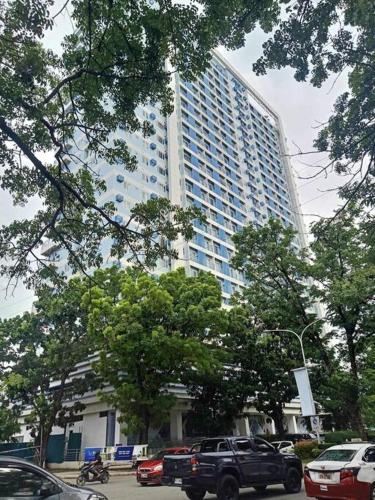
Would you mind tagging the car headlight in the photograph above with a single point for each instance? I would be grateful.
(158, 468)
(97, 496)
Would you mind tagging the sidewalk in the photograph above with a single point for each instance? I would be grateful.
(114, 471)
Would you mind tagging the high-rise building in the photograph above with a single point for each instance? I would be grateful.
(223, 150)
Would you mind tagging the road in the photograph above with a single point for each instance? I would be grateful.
(126, 488)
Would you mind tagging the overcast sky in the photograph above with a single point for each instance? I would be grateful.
(301, 108)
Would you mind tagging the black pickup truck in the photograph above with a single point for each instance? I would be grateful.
(223, 465)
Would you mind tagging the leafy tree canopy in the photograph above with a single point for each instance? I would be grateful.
(325, 37)
(113, 62)
(40, 351)
(149, 332)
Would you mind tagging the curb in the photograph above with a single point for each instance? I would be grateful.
(74, 476)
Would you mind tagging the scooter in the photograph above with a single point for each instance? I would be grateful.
(86, 470)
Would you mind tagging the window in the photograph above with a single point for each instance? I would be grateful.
(370, 455)
(16, 482)
(262, 446)
(243, 445)
(345, 455)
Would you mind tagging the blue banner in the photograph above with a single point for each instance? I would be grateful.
(90, 453)
(124, 453)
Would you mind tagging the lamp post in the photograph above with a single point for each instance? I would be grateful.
(307, 383)
(299, 337)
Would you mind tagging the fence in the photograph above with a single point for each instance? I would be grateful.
(20, 450)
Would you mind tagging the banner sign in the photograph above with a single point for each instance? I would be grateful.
(124, 453)
(90, 453)
(304, 390)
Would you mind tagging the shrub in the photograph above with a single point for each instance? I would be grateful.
(315, 452)
(304, 449)
(339, 437)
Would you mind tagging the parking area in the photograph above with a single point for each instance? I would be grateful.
(126, 488)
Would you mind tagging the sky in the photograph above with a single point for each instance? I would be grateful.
(301, 107)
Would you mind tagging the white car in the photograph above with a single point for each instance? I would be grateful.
(283, 446)
(344, 472)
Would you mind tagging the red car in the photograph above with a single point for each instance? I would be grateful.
(151, 471)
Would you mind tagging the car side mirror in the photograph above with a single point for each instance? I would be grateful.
(47, 490)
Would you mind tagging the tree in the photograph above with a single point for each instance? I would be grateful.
(277, 296)
(9, 425)
(149, 332)
(114, 61)
(42, 351)
(219, 398)
(344, 276)
(327, 37)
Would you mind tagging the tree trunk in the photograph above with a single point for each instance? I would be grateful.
(42, 442)
(357, 420)
(144, 429)
(278, 417)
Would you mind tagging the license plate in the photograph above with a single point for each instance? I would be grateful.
(324, 476)
(178, 480)
(323, 487)
(144, 476)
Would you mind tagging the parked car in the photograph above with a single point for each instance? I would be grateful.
(295, 438)
(151, 471)
(19, 478)
(344, 472)
(223, 465)
(283, 446)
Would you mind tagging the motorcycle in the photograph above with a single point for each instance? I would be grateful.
(86, 470)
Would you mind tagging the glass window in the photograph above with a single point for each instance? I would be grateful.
(262, 446)
(243, 445)
(337, 455)
(17, 482)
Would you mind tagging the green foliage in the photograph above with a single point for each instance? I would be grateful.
(305, 450)
(340, 437)
(150, 331)
(276, 297)
(345, 281)
(317, 39)
(44, 348)
(113, 61)
(219, 397)
(8, 421)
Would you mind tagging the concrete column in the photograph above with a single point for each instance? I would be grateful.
(243, 427)
(176, 425)
(295, 424)
(292, 424)
(273, 426)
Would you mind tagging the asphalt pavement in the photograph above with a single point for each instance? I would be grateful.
(126, 488)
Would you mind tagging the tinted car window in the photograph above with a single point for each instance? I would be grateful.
(261, 445)
(337, 455)
(370, 455)
(243, 445)
(17, 482)
(210, 445)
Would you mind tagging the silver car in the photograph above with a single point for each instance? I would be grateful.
(19, 478)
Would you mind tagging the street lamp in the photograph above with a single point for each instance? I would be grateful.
(305, 383)
(299, 337)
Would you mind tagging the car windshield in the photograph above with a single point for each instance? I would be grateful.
(337, 455)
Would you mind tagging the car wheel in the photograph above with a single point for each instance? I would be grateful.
(194, 494)
(261, 487)
(292, 483)
(372, 492)
(228, 488)
(81, 481)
